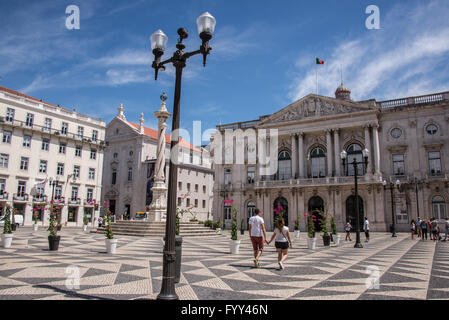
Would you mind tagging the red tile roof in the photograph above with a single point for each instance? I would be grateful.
(153, 134)
(24, 95)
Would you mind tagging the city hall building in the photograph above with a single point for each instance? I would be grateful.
(407, 140)
(49, 153)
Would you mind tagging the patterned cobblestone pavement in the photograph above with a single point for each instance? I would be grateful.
(406, 269)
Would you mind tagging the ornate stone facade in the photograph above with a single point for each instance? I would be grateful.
(407, 140)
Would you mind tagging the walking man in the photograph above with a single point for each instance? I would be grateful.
(418, 227)
(257, 234)
(366, 229)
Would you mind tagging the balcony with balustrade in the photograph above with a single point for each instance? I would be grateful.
(4, 195)
(40, 198)
(74, 201)
(20, 197)
(90, 202)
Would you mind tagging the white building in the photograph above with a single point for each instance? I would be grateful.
(49, 152)
(129, 165)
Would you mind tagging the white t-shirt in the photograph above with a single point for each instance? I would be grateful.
(366, 225)
(256, 226)
(281, 237)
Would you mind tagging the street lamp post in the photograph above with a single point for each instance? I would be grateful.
(355, 163)
(391, 186)
(417, 183)
(206, 26)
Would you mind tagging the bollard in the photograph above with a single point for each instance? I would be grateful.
(178, 250)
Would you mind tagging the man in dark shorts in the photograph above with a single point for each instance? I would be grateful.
(257, 234)
(366, 229)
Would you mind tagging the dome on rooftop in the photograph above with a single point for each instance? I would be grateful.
(343, 92)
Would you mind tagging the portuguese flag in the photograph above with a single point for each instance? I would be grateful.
(319, 61)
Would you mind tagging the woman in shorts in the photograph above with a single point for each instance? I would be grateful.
(282, 235)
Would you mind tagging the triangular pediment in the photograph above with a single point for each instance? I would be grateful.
(315, 106)
(124, 128)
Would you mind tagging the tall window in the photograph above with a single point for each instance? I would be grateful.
(90, 194)
(227, 211)
(93, 154)
(204, 204)
(76, 171)
(179, 185)
(7, 136)
(354, 152)
(91, 173)
(21, 188)
(435, 163)
(188, 187)
(204, 189)
(80, 132)
(318, 163)
(58, 192)
(62, 147)
(94, 135)
(10, 115)
(24, 163)
(60, 169)
(78, 151)
(29, 120)
(251, 175)
(130, 173)
(40, 191)
(439, 207)
(196, 188)
(285, 166)
(47, 125)
(4, 159)
(191, 156)
(2, 186)
(114, 177)
(64, 128)
(250, 209)
(196, 203)
(43, 166)
(26, 141)
(227, 176)
(45, 144)
(74, 193)
(398, 164)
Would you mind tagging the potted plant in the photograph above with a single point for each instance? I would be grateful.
(235, 242)
(53, 238)
(85, 223)
(13, 219)
(297, 231)
(335, 235)
(242, 227)
(311, 240)
(35, 217)
(59, 226)
(111, 243)
(324, 228)
(7, 229)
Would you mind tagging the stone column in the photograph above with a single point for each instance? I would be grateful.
(368, 146)
(301, 154)
(301, 209)
(376, 149)
(329, 152)
(158, 207)
(337, 152)
(294, 156)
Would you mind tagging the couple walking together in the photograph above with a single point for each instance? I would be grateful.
(258, 234)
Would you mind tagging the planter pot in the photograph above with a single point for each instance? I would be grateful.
(59, 228)
(13, 227)
(297, 234)
(311, 243)
(85, 228)
(35, 227)
(7, 240)
(327, 241)
(336, 238)
(235, 246)
(53, 243)
(111, 245)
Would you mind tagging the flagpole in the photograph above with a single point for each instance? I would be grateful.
(316, 77)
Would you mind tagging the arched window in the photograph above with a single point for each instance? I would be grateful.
(227, 212)
(318, 163)
(438, 207)
(284, 165)
(354, 152)
(250, 208)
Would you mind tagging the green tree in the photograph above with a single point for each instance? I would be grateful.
(7, 228)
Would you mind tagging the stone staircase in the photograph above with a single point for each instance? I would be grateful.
(157, 229)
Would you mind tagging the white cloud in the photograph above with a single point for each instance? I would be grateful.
(404, 57)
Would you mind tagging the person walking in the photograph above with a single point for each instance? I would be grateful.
(413, 228)
(446, 229)
(424, 229)
(429, 228)
(434, 225)
(366, 229)
(282, 241)
(418, 227)
(348, 231)
(257, 234)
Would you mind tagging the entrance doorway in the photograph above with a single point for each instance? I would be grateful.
(280, 205)
(127, 212)
(350, 212)
(316, 206)
(250, 211)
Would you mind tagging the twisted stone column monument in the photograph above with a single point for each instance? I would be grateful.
(158, 207)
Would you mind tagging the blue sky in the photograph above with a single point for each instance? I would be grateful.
(262, 58)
